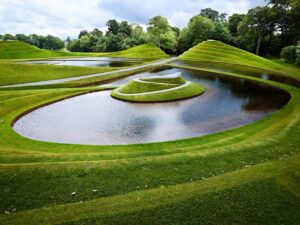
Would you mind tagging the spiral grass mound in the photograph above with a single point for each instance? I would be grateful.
(158, 89)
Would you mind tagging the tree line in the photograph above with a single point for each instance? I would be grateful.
(263, 30)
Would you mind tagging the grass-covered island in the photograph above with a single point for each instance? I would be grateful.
(157, 89)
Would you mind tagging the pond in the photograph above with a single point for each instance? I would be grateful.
(89, 61)
(240, 69)
(99, 119)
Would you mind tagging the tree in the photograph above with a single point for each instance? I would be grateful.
(84, 43)
(220, 32)
(138, 37)
(8, 37)
(113, 26)
(125, 29)
(169, 42)
(214, 15)
(83, 33)
(289, 54)
(256, 24)
(199, 29)
(96, 33)
(233, 23)
(68, 43)
(22, 37)
(157, 26)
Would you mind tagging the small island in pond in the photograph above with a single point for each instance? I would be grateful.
(158, 89)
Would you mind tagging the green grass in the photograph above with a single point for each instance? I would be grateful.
(22, 50)
(157, 89)
(287, 67)
(246, 175)
(145, 51)
(216, 51)
(16, 73)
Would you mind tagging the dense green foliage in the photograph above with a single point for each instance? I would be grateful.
(21, 50)
(291, 54)
(262, 30)
(157, 89)
(45, 42)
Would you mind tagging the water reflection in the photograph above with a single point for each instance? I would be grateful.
(97, 118)
(92, 61)
(244, 70)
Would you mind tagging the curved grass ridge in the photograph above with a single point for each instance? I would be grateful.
(216, 51)
(145, 51)
(157, 89)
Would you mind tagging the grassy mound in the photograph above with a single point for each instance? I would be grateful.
(22, 50)
(216, 51)
(146, 51)
(221, 178)
(16, 73)
(157, 89)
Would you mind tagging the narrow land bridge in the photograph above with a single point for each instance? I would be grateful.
(57, 81)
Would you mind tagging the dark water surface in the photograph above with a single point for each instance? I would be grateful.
(240, 69)
(90, 61)
(97, 118)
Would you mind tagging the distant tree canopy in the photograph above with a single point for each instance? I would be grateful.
(46, 42)
(262, 30)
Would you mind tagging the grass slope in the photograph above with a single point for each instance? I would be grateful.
(151, 180)
(22, 50)
(15, 73)
(248, 175)
(216, 51)
(145, 51)
(157, 89)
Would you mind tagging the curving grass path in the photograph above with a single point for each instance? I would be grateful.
(157, 89)
(248, 175)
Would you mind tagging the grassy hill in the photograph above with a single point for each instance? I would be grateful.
(157, 89)
(145, 51)
(216, 51)
(15, 73)
(22, 50)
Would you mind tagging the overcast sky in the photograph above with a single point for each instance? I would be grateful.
(67, 17)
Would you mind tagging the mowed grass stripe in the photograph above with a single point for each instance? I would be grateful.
(140, 200)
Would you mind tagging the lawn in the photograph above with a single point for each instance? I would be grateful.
(246, 175)
(20, 50)
(15, 73)
(157, 89)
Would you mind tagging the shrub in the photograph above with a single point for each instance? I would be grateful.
(298, 54)
(289, 54)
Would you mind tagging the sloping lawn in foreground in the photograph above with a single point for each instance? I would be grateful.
(130, 184)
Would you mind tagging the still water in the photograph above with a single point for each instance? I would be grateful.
(97, 118)
(240, 69)
(91, 61)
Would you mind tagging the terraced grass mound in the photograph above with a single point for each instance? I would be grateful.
(146, 51)
(157, 89)
(21, 50)
(216, 51)
(16, 73)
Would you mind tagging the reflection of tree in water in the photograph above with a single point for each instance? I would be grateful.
(258, 96)
(123, 63)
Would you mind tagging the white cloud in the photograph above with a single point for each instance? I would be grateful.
(67, 17)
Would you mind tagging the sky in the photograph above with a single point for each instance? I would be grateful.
(65, 18)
